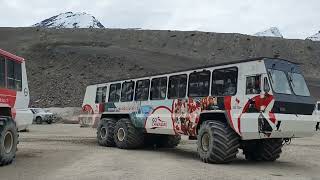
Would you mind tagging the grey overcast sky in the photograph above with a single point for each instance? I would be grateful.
(294, 18)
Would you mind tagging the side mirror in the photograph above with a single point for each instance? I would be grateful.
(266, 87)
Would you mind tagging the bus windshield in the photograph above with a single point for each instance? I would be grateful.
(279, 81)
(298, 84)
(285, 83)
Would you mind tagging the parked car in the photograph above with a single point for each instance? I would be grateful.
(40, 115)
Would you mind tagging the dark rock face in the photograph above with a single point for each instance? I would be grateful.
(62, 62)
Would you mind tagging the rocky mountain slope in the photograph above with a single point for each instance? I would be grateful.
(62, 62)
(70, 20)
(315, 37)
(271, 32)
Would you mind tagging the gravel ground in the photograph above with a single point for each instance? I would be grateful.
(61, 151)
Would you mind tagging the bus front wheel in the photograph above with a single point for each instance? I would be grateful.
(8, 141)
(217, 142)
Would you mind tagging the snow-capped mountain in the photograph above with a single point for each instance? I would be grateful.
(70, 20)
(271, 32)
(315, 37)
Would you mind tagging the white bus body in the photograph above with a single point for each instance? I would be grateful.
(263, 98)
(293, 124)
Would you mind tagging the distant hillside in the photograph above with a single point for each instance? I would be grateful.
(62, 62)
(70, 20)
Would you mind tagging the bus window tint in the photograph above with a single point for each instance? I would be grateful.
(14, 76)
(18, 76)
(224, 82)
(114, 92)
(199, 84)
(127, 91)
(10, 75)
(142, 90)
(158, 88)
(253, 85)
(101, 94)
(177, 86)
(2, 72)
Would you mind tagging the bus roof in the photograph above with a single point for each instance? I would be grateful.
(201, 67)
(11, 56)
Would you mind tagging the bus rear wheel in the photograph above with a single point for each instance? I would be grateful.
(126, 136)
(8, 141)
(105, 132)
(217, 142)
(263, 149)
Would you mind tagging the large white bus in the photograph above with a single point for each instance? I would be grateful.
(14, 101)
(253, 104)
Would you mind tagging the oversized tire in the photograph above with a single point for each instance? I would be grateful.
(217, 142)
(8, 141)
(38, 120)
(105, 132)
(263, 149)
(161, 141)
(126, 136)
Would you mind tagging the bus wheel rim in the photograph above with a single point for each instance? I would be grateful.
(205, 142)
(8, 142)
(121, 134)
(103, 132)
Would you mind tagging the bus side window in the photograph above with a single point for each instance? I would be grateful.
(114, 92)
(142, 90)
(2, 73)
(127, 91)
(101, 94)
(18, 76)
(199, 84)
(177, 86)
(14, 77)
(158, 88)
(224, 82)
(253, 85)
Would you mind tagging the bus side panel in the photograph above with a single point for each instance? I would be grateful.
(90, 112)
(178, 116)
(24, 116)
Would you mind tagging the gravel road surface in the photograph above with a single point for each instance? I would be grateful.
(61, 151)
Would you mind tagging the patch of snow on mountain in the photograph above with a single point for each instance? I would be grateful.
(70, 20)
(271, 32)
(315, 37)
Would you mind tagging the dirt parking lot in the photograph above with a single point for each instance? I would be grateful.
(62, 151)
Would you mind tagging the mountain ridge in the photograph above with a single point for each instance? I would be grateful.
(270, 32)
(70, 20)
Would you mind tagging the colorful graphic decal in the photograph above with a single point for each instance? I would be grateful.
(182, 115)
(158, 123)
(159, 118)
(256, 105)
(186, 113)
(87, 109)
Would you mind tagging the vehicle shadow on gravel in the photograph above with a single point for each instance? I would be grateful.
(240, 161)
